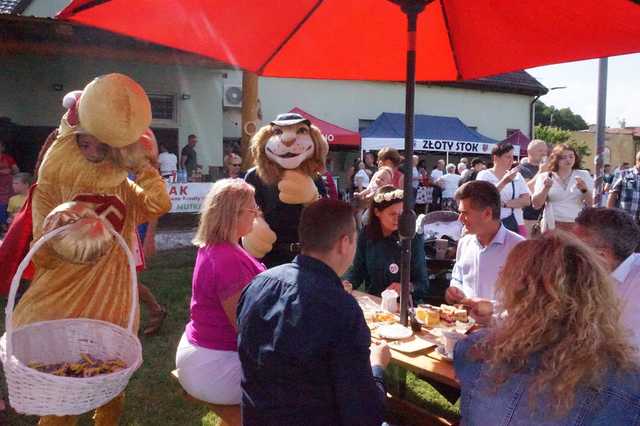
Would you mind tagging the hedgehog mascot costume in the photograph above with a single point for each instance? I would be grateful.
(289, 154)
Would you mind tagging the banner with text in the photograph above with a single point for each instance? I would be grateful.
(187, 197)
(432, 145)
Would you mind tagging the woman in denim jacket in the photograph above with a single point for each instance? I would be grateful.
(560, 356)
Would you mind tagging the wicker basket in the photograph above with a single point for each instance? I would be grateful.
(36, 393)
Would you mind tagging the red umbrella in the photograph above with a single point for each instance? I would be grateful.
(363, 40)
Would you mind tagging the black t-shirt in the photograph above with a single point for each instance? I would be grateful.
(528, 171)
(192, 158)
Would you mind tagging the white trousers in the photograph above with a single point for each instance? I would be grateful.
(209, 375)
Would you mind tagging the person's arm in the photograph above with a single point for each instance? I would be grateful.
(358, 273)
(455, 292)
(614, 193)
(359, 394)
(150, 196)
(229, 305)
(523, 199)
(507, 178)
(543, 185)
(584, 183)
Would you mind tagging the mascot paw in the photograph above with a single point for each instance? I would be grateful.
(87, 238)
(297, 188)
(260, 240)
(136, 156)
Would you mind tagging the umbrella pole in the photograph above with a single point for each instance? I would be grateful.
(407, 228)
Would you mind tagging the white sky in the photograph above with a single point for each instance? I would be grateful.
(581, 94)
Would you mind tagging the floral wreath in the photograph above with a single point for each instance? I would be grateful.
(389, 196)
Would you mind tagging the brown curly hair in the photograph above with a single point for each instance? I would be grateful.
(552, 165)
(561, 309)
(270, 172)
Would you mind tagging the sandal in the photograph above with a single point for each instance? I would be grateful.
(155, 321)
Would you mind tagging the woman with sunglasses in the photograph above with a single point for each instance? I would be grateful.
(563, 188)
(233, 166)
(207, 356)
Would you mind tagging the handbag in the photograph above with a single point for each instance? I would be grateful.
(510, 221)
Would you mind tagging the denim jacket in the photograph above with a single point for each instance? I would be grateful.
(616, 402)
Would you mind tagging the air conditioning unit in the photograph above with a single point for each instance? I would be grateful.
(232, 96)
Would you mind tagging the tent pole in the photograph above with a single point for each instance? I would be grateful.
(407, 228)
(600, 130)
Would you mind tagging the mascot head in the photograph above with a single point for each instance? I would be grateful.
(290, 142)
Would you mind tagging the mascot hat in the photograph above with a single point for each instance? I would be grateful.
(115, 109)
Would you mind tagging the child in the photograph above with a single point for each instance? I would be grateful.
(21, 184)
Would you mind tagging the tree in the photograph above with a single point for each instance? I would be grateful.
(562, 118)
(555, 135)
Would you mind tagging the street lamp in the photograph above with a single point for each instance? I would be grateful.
(533, 108)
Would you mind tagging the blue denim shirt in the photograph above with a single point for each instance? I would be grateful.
(304, 348)
(617, 402)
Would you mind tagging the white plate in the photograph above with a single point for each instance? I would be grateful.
(444, 354)
(394, 332)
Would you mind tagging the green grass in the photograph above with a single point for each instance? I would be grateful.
(152, 397)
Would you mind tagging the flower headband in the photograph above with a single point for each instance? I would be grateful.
(389, 196)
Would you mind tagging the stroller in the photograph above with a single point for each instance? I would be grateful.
(441, 230)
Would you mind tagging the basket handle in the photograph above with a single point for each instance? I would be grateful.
(25, 262)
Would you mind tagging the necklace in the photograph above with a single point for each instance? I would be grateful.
(565, 181)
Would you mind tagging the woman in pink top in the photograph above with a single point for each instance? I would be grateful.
(207, 357)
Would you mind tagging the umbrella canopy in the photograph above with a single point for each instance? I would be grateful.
(366, 39)
(336, 136)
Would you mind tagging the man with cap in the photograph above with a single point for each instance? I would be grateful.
(95, 147)
(289, 154)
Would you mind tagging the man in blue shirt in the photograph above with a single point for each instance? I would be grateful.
(302, 339)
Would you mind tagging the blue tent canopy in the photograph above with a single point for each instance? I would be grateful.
(432, 133)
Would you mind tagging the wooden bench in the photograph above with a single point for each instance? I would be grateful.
(229, 414)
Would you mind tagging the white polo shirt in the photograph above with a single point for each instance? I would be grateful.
(627, 277)
(476, 269)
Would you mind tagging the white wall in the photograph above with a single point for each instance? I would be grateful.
(45, 8)
(344, 102)
(29, 99)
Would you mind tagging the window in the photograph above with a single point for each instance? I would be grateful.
(163, 107)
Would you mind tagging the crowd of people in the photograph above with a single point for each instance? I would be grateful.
(280, 340)
(561, 341)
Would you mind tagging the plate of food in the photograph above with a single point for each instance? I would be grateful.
(394, 332)
(444, 316)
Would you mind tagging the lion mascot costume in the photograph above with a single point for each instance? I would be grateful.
(289, 154)
(82, 181)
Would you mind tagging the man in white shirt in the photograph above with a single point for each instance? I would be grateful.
(168, 163)
(449, 184)
(438, 171)
(483, 251)
(614, 235)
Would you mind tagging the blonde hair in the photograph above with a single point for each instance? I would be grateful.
(562, 311)
(220, 211)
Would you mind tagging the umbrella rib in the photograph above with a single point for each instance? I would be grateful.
(88, 5)
(449, 37)
(289, 36)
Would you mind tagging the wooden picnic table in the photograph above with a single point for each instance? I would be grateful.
(425, 363)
